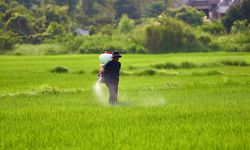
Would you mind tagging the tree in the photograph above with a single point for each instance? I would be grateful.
(153, 9)
(240, 26)
(126, 7)
(3, 7)
(57, 14)
(213, 27)
(19, 25)
(55, 29)
(7, 41)
(245, 7)
(39, 26)
(187, 14)
(26, 3)
(1, 20)
(168, 35)
(233, 14)
(15, 8)
(237, 12)
(70, 3)
(102, 2)
(126, 24)
(72, 6)
(86, 7)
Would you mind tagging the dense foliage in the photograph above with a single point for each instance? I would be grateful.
(168, 35)
(141, 26)
(189, 15)
(237, 12)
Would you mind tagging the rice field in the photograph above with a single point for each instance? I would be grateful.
(167, 101)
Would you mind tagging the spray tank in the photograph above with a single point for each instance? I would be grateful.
(105, 57)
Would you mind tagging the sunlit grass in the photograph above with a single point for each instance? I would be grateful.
(182, 108)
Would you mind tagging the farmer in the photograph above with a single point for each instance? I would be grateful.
(111, 76)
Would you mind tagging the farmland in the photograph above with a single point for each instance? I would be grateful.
(167, 101)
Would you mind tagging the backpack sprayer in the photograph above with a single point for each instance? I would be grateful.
(104, 58)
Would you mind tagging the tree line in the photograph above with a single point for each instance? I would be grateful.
(130, 25)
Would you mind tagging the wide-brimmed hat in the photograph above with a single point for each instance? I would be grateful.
(116, 53)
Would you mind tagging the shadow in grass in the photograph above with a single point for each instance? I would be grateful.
(242, 63)
(121, 104)
(125, 73)
(146, 72)
(132, 68)
(79, 72)
(187, 65)
(95, 71)
(60, 69)
(169, 65)
(209, 73)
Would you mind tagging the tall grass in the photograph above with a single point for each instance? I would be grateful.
(232, 43)
(40, 49)
(98, 43)
(234, 63)
(190, 65)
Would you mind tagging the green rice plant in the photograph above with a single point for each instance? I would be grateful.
(187, 65)
(80, 72)
(146, 72)
(190, 65)
(125, 73)
(188, 108)
(234, 63)
(60, 69)
(167, 65)
(208, 73)
(164, 73)
(208, 64)
(131, 68)
(95, 71)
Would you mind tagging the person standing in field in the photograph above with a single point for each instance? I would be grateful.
(111, 74)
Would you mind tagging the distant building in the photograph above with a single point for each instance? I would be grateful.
(214, 9)
(82, 32)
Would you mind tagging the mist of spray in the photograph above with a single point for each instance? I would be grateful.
(142, 98)
(99, 92)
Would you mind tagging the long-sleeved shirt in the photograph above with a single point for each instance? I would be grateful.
(112, 71)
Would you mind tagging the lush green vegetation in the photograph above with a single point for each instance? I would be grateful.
(141, 26)
(237, 12)
(168, 101)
